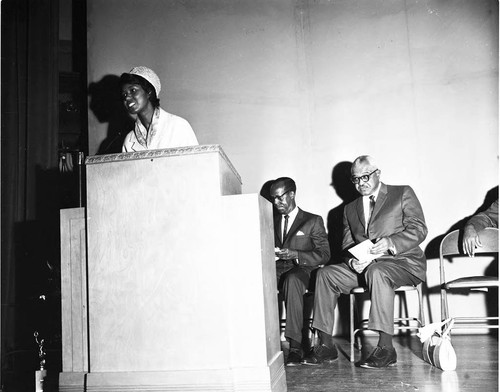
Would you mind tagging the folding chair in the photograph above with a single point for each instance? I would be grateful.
(400, 323)
(451, 245)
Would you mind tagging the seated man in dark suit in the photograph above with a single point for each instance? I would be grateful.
(475, 224)
(391, 217)
(301, 246)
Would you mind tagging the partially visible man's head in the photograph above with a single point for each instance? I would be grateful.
(283, 194)
(365, 175)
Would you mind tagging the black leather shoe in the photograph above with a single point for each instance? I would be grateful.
(321, 354)
(381, 357)
(294, 358)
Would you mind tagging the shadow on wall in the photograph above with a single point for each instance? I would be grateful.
(265, 192)
(344, 188)
(107, 107)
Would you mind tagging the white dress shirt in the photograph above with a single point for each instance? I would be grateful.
(291, 218)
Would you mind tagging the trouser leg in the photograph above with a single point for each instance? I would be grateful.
(294, 287)
(383, 278)
(331, 281)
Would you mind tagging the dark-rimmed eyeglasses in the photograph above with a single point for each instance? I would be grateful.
(364, 177)
(279, 197)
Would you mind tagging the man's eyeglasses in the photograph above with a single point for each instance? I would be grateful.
(364, 177)
(280, 197)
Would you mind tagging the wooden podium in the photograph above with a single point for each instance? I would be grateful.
(180, 282)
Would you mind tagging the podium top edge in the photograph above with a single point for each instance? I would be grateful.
(160, 153)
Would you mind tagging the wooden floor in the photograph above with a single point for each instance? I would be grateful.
(477, 369)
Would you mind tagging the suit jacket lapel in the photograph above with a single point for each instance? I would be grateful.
(297, 223)
(381, 198)
(361, 212)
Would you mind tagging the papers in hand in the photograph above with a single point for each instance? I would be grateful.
(362, 251)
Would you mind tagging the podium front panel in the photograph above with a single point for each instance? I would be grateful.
(174, 303)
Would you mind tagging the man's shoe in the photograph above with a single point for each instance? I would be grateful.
(294, 358)
(381, 357)
(321, 354)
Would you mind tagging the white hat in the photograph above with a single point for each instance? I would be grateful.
(149, 75)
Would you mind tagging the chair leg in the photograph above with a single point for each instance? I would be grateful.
(444, 305)
(403, 311)
(405, 305)
(351, 325)
(421, 304)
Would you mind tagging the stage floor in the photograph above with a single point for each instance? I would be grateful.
(477, 369)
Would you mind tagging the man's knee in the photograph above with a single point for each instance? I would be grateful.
(329, 273)
(375, 270)
(377, 273)
(298, 281)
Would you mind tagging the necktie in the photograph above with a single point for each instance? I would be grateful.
(285, 228)
(370, 210)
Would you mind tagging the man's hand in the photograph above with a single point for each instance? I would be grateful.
(381, 246)
(359, 266)
(471, 240)
(287, 254)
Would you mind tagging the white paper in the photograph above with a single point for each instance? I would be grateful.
(362, 251)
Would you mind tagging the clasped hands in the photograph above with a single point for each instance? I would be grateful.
(286, 254)
(382, 246)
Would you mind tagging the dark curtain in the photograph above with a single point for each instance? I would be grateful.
(29, 243)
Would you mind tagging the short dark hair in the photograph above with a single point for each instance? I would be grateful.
(287, 182)
(127, 78)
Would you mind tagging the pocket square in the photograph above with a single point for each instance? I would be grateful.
(300, 233)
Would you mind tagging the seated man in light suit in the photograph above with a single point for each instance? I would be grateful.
(392, 218)
(301, 246)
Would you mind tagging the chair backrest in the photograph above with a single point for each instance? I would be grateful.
(452, 242)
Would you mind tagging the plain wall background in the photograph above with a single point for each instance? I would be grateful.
(295, 87)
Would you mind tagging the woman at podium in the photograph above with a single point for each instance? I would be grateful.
(154, 127)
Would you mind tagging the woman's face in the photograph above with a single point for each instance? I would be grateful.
(135, 98)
